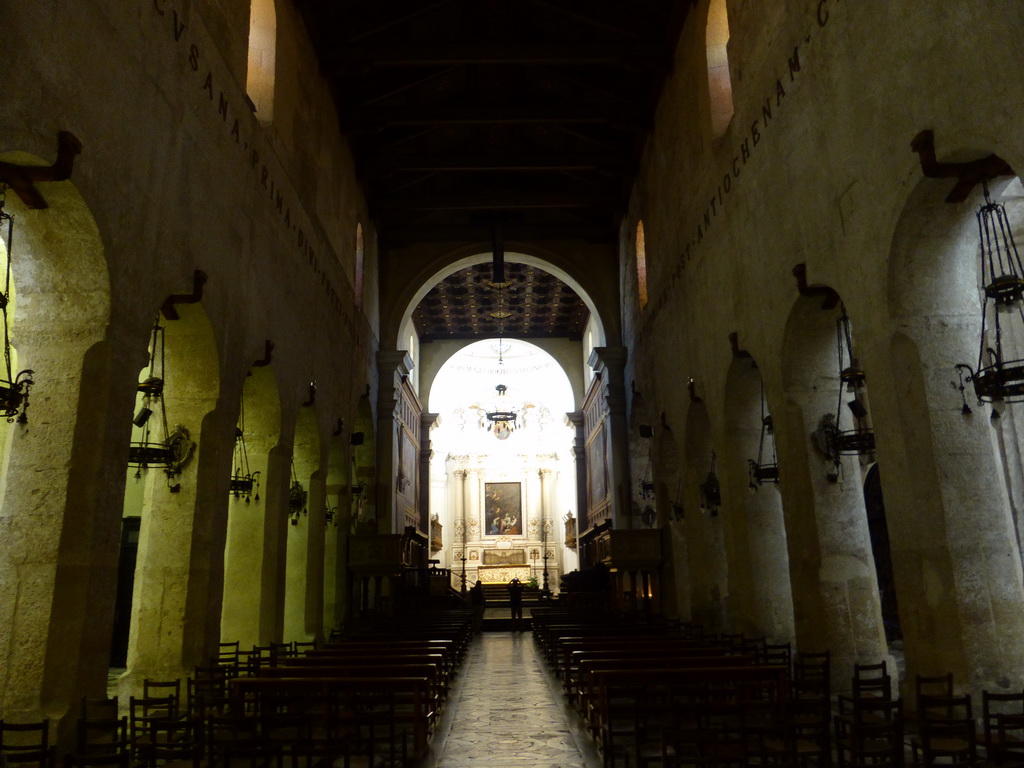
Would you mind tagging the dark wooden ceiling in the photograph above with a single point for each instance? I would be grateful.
(531, 304)
(460, 113)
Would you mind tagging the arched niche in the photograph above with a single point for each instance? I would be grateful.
(57, 512)
(250, 517)
(170, 630)
(834, 586)
(758, 555)
(954, 528)
(705, 536)
(303, 605)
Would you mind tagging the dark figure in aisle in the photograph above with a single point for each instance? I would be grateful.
(476, 602)
(515, 602)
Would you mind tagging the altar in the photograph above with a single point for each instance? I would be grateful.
(503, 574)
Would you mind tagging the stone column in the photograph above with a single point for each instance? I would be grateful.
(610, 363)
(579, 452)
(169, 607)
(835, 589)
(546, 535)
(391, 367)
(426, 422)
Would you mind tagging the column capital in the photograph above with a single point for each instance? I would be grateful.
(612, 359)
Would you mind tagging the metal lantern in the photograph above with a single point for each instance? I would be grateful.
(244, 482)
(157, 445)
(710, 491)
(764, 471)
(995, 378)
(14, 389)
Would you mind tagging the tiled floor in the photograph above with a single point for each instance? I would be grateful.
(507, 711)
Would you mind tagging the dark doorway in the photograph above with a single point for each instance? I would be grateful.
(125, 584)
(879, 532)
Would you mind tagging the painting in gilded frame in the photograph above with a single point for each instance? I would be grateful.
(503, 509)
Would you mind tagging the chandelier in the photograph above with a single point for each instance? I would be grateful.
(501, 420)
(13, 389)
(244, 483)
(763, 471)
(157, 445)
(996, 379)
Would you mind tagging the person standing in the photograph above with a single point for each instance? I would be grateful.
(515, 602)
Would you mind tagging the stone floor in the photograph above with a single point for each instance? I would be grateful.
(507, 711)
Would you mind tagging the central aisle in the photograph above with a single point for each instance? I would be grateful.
(508, 712)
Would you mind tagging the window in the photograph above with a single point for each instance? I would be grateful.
(641, 265)
(719, 82)
(358, 287)
(259, 82)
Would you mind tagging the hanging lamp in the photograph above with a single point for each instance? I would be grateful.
(157, 446)
(996, 379)
(831, 438)
(501, 420)
(13, 389)
(244, 482)
(710, 490)
(297, 496)
(762, 471)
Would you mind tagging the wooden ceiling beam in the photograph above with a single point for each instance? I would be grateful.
(372, 119)
(486, 201)
(633, 55)
(604, 162)
(394, 233)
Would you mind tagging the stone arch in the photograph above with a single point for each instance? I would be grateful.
(835, 590)
(55, 518)
(250, 520)
(759, 558)
(962, 549)
(704, 532)
(584, 285)
(169, 610)
(303, 605)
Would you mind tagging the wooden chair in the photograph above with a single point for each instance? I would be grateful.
(143, 712)
(27, 744)
(934, 687)
(872, 680)
(869, 729)
(1002, 719)
(778, 653)
(946, 731)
